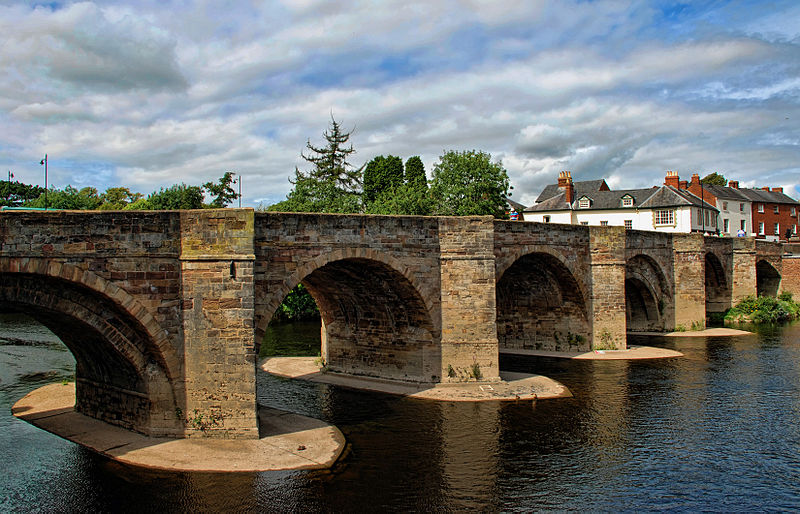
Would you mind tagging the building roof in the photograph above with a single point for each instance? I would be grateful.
(580, 187)
(726, 193)
(759, 195)
(650, 198)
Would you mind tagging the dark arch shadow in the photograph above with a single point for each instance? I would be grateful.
(121, 376)
(540, 306)
(768, 280)
(647, 295)
(375, 322)
(718, 293)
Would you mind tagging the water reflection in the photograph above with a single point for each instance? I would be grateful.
(716, 430)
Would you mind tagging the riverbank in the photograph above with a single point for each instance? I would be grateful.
(514, 386)
(709, 332)
(288, 441)
(632, 353)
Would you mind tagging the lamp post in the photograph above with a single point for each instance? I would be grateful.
(44, 162)
(239, 179)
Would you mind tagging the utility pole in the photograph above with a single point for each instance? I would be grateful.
(44, 162)
(239, 178)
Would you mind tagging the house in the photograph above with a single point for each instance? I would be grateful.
(733, 205)
(667, 208)
(774, 214)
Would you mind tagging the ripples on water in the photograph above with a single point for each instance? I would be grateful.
(717, 430)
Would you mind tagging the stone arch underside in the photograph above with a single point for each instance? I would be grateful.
(121, 376)
(540, 306)
(647, 295)
(375, 323)
(718, 288)
(768, 279)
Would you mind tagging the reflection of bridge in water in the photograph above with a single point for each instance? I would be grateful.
(164, 311)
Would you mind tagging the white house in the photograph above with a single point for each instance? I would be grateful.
(664, 209)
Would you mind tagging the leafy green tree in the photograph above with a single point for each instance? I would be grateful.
(406, 199)
(382, 176)
(179, 196)
(222, 191)
(117, 198)
(332, 184)
(469, 183)
(14, 194)
(298, 305)
(714, 179)
(68, 198)
(415, 174)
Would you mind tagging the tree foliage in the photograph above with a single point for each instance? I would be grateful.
(221, 191)
(14, 194)
(68, 198)
(118, 198)
(382, 176)
(332, 184)
(179, 196)
(415, 174)
(469, 183)
(714, 179)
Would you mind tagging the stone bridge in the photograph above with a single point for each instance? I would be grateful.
(164, 311)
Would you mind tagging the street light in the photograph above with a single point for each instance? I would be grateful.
(238, 180)
(44, 163)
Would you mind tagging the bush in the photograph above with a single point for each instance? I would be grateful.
(764, 309)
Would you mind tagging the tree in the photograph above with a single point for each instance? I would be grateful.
(14, 194)
(68, 198)
(382, 176)
(469, 183)
(179, 196)
(406, 199)
(714, 179)
(415, 174)
(118, 198)
(332, 185)
(222, 191)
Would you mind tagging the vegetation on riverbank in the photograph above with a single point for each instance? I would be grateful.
(764, 309)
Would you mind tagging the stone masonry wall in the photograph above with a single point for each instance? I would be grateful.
(689, 276)
(607, 307)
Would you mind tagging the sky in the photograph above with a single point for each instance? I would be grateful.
(147, 94)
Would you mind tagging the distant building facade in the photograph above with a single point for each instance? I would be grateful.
(664, 209)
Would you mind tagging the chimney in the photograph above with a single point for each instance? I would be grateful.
(684, 184)
(695, 179)
(565, 184)
(777, 190)
(672, 179)
(734, 184)
(765, 189)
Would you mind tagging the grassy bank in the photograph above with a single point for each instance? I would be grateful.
(764, 309)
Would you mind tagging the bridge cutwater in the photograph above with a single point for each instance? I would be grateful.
(164, 310)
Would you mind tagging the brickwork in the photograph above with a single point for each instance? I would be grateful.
(164, 310)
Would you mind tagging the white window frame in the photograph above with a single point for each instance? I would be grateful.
(761, 207)
(546, 219)
(724, 206)
(777, 229)
(794, 212)
(777, 209)
(584, 223)
(627, 201)
(604, 223)
(726, 225)
(741, 207)
(760, 228)
(584, 203)
(628, 224)
(664, 217)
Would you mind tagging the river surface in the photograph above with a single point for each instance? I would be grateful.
(718, 430)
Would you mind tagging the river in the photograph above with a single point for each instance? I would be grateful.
(716, 430)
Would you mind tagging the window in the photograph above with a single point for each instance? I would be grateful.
(627, 201)
(794, 211)
(725, 226)
(699, 216)
(724, 206)
(761, 228)
(584, 222)
(665, 217)
(777, 229)
(629, 224)
(584, 203)
(741, 207)
(777, 209)
(546, 219)
(742, 225)
(761, 207)
(604, 223)
(708, 218)
(794, 229)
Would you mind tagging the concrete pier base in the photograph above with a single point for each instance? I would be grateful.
(287, 441)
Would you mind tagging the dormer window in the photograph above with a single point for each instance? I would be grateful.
(584, 203)
(627, 201)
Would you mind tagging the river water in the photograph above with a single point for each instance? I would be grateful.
(717, 430)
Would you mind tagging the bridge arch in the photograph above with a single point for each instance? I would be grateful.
(541, 304)
(718, 287)
(376, 321)
(122, 373)
(647, 294)
(768, 279)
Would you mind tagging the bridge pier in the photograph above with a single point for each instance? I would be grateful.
(744, 269)
(607, 302)
(690, 281)
(469, 331)
(217, 285)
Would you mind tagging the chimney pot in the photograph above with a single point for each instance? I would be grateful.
(777, 190)
(765, 189)
(672, 179)
(734, 184)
